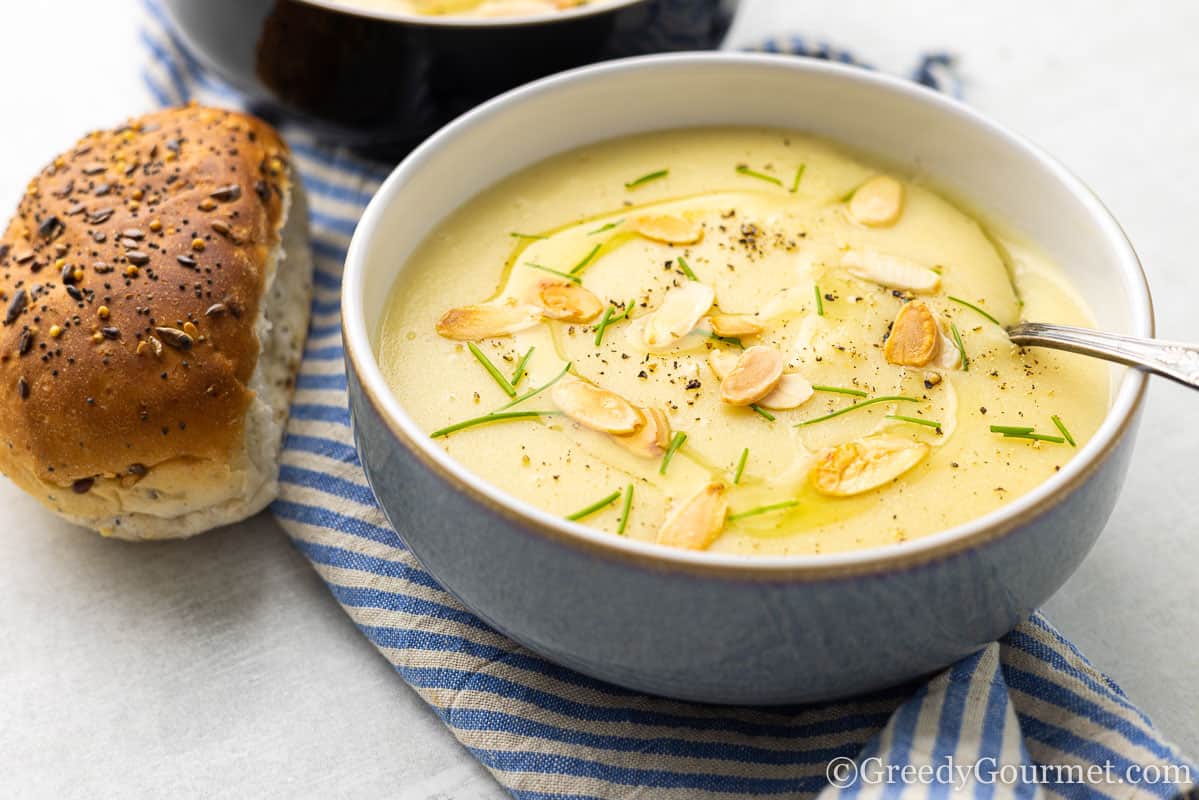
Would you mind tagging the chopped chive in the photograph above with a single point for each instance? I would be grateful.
(532, 392)
(1011, 429)
(625, 507)
(646, 178)
(762, 176)
(508, 388)
(594, 507)
(976, 308)
(761, 412)
(845, 198)
(1061, 426)
(609, 319)
(605, 228)
(492, 417)
(1026, 432)
(928, 423)
(957, 341)
(840, 390)
(798, 177)
(675, 443)
(602, 325)
(516, 235)
(586, 260)
(740, 466)
(753, 512)
(819, 301)
(543, 268)
(734, 341)
(520, 367)
(686, 268)
(1036, 437)
(893, 398)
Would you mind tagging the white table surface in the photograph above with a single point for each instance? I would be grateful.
(220, 666)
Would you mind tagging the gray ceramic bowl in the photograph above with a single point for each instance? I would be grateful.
(725, 628)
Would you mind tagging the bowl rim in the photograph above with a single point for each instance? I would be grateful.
(464, 21)
(362, 362)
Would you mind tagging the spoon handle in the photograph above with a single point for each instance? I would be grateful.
(1179, 362)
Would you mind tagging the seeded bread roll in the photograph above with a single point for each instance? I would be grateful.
(154, 293)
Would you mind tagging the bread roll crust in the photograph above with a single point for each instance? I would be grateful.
(130, 281)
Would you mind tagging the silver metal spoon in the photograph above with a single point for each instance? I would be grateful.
(1173, 360)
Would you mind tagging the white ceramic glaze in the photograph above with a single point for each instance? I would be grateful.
(730, 628)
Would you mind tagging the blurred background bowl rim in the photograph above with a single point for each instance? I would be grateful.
(362, 359)
(592, 8)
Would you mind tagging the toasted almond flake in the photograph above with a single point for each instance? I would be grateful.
(597, 408)
(734, 325)
(722, 362)
(677, 316)
(878, 202)
(792, 392)
(757, 373)
(696, 522)
(651, 439)
(864, 464)
(667, 228)
(472, 323)
(566, 301)
(915, 337)
(892, 271)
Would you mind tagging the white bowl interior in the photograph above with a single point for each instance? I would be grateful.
(1000, 175)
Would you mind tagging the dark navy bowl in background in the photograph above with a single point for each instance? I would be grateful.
(385, 80)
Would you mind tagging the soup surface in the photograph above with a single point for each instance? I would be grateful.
(740, 340)
(470, 8)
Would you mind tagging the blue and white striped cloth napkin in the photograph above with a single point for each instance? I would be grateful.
(1025, 715)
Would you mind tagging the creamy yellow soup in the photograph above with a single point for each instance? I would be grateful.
(470, 8)
(738, 340)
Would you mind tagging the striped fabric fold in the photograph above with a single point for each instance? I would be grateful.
(1025, 716)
